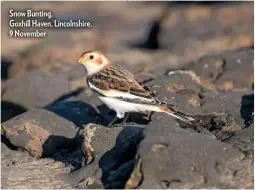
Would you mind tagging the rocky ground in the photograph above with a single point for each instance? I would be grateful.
(198, 56)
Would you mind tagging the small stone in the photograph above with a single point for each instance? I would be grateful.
(157, 148)
(89, 181)
(175, 87)
(165, 183)
(193, 168)
(228, 85)
(202, 180)
(194, 100)
(220, 63)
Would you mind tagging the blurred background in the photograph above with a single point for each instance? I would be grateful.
(130, 33)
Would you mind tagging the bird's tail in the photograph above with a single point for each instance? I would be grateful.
(176, 114)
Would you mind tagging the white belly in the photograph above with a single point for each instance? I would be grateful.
(121, 107)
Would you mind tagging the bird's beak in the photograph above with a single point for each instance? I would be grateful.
(81, 60)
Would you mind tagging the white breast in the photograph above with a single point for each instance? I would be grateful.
(121, 107)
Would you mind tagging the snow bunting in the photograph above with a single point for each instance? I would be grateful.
(120, 91)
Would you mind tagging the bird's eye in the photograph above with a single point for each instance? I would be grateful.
(91, 57)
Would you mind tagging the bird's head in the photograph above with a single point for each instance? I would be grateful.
(93, 61)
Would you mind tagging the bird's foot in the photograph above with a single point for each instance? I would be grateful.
(125, 118)
(123, 122)
(132, 124)
(112, 122)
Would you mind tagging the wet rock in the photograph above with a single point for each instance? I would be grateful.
(189, 160)
(43, 131)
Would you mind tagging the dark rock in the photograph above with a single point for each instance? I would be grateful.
(10, 158)
(19, 170)
(195, 96)
(247, 108)
(113, 151)
(136, 176)
(118, 177)
(5, 65)
(80, 113)
(94, 141)
(194, 31)
(115, 160)
(43, 131)
(10, 110)
(176, 158)
(244, 140)
(222, 69)
(183, 89)
(37, 88)
(229, 103)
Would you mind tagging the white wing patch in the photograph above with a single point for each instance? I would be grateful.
(119, 94)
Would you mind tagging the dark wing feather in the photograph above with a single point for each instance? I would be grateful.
(116, 78)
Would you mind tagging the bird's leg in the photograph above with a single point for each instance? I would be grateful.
(113, 121)
(150, 115)
(117, 117)
(125, 118)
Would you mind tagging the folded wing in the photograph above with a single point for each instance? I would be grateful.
(117, 82)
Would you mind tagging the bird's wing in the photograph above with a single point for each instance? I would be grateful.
(115, 81)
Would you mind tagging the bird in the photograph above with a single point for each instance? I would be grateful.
(119, 90)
